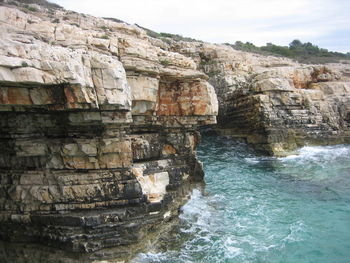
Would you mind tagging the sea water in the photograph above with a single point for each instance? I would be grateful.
(264, 209)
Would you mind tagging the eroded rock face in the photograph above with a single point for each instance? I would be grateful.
(275, 103)
(98, 132)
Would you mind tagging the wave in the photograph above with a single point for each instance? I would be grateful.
(265, 209)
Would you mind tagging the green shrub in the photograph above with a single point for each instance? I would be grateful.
(12, 3)
(177, 37)
(163, 35)
(24, 64)
(31, 8)
(213, 73)
(164, 62)
(43, 3)
(302, 52)
(115, 20)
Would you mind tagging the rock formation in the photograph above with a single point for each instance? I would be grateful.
(98, 126)
(275, 103)
(97, 131)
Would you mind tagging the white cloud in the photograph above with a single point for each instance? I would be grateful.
(257, 21)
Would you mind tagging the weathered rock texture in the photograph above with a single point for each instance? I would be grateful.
(275, 103)
(98, 126)
(97, 131)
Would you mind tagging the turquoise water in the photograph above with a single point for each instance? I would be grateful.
(259, 209)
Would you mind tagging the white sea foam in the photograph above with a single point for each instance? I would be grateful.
(297, 230)
(150, 257)
(231, 249)
(319, 153)
(264, 209)
(251, 160)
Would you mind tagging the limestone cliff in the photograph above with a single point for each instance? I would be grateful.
(97, 131)
(275, 103)
(98, 126)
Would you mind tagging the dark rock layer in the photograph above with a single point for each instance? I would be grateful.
(98, 136)
(274, 103)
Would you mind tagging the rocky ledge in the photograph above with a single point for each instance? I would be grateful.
(274, 103)
(99, 122)
(97, 130)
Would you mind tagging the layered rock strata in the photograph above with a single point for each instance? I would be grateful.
(275, 103)
(97, 131)
(98, 126)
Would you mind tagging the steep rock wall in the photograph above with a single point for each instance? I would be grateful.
(275, 103)
(97, 130)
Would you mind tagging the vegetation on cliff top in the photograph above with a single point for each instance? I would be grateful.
(302, 52)
(164, 36)
(44, 3)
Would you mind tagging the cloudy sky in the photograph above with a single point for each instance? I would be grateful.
(325, 23)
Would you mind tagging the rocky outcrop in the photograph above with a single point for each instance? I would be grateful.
(97, 130)
(275, 103)
(99, 121)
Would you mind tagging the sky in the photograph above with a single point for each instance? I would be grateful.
(325, 23)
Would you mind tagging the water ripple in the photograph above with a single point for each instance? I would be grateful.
(258, 209)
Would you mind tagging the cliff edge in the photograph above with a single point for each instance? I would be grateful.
(97, 131)
(99, 120)
(275, 103)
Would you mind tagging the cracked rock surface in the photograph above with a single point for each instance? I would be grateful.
(275, 103)
(97, 131)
